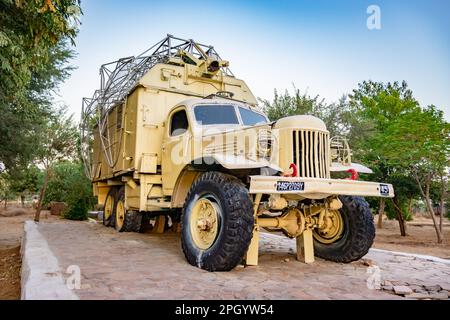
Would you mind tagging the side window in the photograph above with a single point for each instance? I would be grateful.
(179, 123)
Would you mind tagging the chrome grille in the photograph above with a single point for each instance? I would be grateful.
(310, 153)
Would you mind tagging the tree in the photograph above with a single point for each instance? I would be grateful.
(24, 180)
(364, 118)
(58, 142)
(34, 50)
(418, 141)
(334, 115)
(5, 191)
(374, 106)
(30, 29)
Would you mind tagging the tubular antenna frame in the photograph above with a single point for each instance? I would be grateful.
(117, 80)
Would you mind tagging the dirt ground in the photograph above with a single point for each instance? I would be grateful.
(421, 239)
(11, 230)
(10, 263)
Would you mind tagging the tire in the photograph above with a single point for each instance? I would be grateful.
(357, 235)
(234, 211)
(108, 219)
(132, 220)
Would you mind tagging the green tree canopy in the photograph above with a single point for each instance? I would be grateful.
(388, 131)
(34, 51)
(335, 115)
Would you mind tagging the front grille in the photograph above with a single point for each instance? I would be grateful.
(310, 153)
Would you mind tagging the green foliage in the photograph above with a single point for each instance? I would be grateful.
(4, 186)
(335, 115)
(285, 105)
(34, 52)
(25, 180)
(30, 31)
(390, 210)
(375, 106)
(58, 139)
(69, 184)
(387, 130)
(417, 140)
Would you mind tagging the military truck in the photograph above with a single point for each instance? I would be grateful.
(173, 138)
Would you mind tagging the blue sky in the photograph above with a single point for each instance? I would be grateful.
(321, 46)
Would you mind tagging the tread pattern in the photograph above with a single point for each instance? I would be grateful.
(133, 219)
(133, 222)
(236, 231)
(358, 236)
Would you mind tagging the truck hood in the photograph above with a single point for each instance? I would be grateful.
(301, 122)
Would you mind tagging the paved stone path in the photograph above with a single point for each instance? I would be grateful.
(150, 266)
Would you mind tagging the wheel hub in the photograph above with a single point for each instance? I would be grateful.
(120, 214)
(332, 228)
(204, 223)
(108, 207)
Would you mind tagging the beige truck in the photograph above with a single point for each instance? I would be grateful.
(173, 139)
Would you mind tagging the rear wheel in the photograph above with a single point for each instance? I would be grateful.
(108, 208)
(349, 233)
(126, 221)
(217, 222)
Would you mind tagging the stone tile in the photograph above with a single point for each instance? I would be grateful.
(439, 296)
(433, 288)
(149, 266)
(419, 296)
(416, 288)
(402, 290)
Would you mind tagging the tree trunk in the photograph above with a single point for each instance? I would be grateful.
(426, 198)
(442, 204)
(42, 196)
(433, 217)
(22, 200)
(381, 213)
(400, 219)
(6, 202)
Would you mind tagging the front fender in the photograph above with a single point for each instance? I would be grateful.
(338, 167)
(233, 162)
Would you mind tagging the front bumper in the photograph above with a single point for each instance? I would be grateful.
(315, 188)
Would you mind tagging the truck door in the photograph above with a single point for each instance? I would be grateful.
(176, 148)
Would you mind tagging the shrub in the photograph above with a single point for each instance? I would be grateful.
(69, 184)
(392, 214)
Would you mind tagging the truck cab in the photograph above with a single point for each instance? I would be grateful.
(196, 126)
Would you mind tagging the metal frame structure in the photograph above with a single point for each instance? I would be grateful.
(118, 79)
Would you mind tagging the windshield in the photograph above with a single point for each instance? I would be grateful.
(215, 114)
(250, 118)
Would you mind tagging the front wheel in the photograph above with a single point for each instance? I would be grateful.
(217, 222)
(350, 233)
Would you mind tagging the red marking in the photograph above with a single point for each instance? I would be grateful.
(294, 171)
(354, 174)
